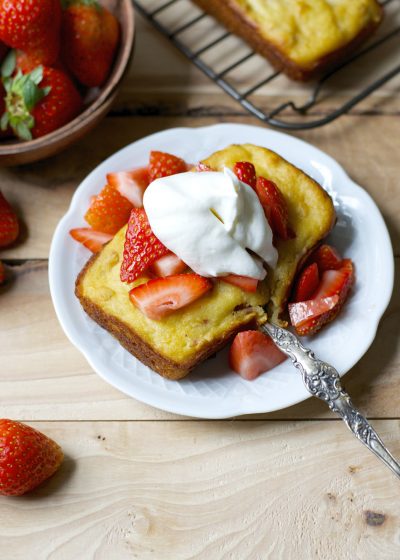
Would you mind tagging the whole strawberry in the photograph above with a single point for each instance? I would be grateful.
(89, 39)
(27, 458)
(32, 26)
(9, 227)
(39, 101)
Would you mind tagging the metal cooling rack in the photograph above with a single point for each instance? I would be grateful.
(157, 13)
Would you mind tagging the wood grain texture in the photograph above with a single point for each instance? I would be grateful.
(45, 188)
(201, 490)
(42, 376)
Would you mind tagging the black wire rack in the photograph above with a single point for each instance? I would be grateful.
(284, 115)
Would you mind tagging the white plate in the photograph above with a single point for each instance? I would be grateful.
(213, 391)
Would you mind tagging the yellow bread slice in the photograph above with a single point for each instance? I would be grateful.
(174, 345)
(311, 214)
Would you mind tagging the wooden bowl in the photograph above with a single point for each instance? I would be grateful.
(16, 152)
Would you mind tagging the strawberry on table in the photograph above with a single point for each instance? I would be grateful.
(109, 211)
(275, 208)
(32, 26)
(38, 102)
(246, 172)
(162, 165)
(2, 273)
(91, 239)
(131, 184)
(162, 296)
(89, 39)
(307, 283)
(310, 315)
(244, 282)
(253, 353)
(9, 226)
(141, 249)
(168, 265)
(27, 458)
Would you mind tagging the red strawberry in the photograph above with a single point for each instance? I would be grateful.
(32, 26)
(162, 296)
(307, 283)
(27, 458)
(2, 273)
(246, 172)
(9, 226)
(89, 40)
(163, 165)
(109, 211)
(335, 284)
(247, 284)
(252, 353)
(326, 257)
(168, 265)
(131, 184)
(26, 62)
(33, 111)
(275, 208)
(141, 247)
(91, 239)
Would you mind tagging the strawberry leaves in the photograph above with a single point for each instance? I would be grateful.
(22, 95)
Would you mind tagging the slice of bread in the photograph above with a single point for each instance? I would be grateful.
(174, 345)
(301, 38)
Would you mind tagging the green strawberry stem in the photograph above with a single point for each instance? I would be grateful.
(22, 95)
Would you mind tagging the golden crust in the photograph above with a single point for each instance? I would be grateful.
(238, 22)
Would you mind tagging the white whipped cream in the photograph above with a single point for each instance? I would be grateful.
(184, 211)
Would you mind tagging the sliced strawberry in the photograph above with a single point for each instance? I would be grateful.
(252, 353)
(163, 165)
(302, 311)
(168, 265)
(91, 239)
(326, 257)
(334, 283)
(247, 284)
(246, 172)
(9, 225)
(109, 211)
(141, 247)
(202, 167)
(307, 283)
(162, 296)
(131, 184)
(275, 208)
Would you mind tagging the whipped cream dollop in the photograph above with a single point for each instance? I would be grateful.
(211, 220)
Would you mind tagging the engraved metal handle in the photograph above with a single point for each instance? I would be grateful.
(323, 381)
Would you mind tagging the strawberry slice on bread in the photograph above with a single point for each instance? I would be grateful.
(253, 353)
(109, 211)
(162, 296)
(90, 238)
(131, 184)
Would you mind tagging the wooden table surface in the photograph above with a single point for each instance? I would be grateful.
(141, 483)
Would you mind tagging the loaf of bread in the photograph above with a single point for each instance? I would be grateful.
(302, 38)
(174, 345)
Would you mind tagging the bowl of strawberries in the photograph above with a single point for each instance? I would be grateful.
(62, 62)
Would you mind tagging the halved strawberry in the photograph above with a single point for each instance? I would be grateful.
(302, 311)
(91, 239)
(275, 208)
(162, 165)
(252, 353)
(245, 282)
(334, 283)
(141, 247)
(307, 283)
(131, 184)
(326, 257)
(246, 172)
(162, 296)
(109, 211)
(168, 265)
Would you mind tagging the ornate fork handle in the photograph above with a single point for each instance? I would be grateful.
(323, 381)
